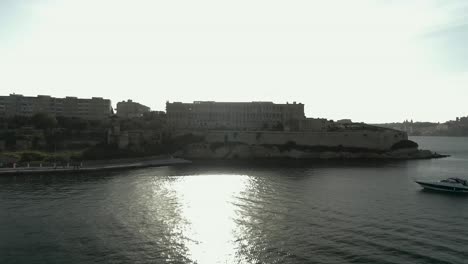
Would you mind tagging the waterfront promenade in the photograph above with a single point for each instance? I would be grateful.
(92, 166)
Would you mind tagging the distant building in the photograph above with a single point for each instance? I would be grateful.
(2, 108)
(442, 127)
(16, 104)
(344, 121)
(155, 115)
(155, 118)
(130, 109)
(239, 116)
(314, 124)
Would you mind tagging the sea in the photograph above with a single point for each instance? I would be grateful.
(242, 212)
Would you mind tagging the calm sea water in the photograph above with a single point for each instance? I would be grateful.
(282, 212)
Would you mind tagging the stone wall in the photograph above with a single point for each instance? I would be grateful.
(369, 139)
(241, 151)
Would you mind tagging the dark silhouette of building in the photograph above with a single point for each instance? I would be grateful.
(130, 109)
(19, 105)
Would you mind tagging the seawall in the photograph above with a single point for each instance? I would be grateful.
(122, 165)
(345, 144)
(380, 140)
(242, 151)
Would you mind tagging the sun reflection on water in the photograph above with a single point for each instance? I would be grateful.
(207, 206)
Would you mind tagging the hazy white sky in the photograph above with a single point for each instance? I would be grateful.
(372, 61)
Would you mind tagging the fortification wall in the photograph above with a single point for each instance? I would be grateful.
(378, 140)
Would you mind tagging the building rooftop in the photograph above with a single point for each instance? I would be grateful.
(215, 102)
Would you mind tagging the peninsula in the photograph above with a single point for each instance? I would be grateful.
(452, 128)
(46, 130)
(229, 130)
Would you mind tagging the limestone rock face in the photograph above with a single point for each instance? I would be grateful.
(242, 151)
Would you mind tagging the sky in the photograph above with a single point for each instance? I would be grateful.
(370, 61)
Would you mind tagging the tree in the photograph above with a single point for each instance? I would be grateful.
(72, 123)
(17, 121)
(10, 139)
(43, 121)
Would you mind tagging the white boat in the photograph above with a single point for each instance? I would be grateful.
(449, 185)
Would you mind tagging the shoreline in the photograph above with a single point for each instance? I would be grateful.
(243, 151)
(337, 157)
(151, 161)
(96, 167)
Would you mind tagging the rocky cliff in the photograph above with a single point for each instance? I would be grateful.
(361, 142)
(243, 151)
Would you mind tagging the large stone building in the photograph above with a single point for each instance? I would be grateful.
(130, 109)
(240, 116)
(94, 108)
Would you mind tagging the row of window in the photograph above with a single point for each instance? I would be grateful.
(211, 116)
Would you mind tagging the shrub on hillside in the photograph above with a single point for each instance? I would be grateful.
(32, 156)
(43, 121)
(405, 144)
